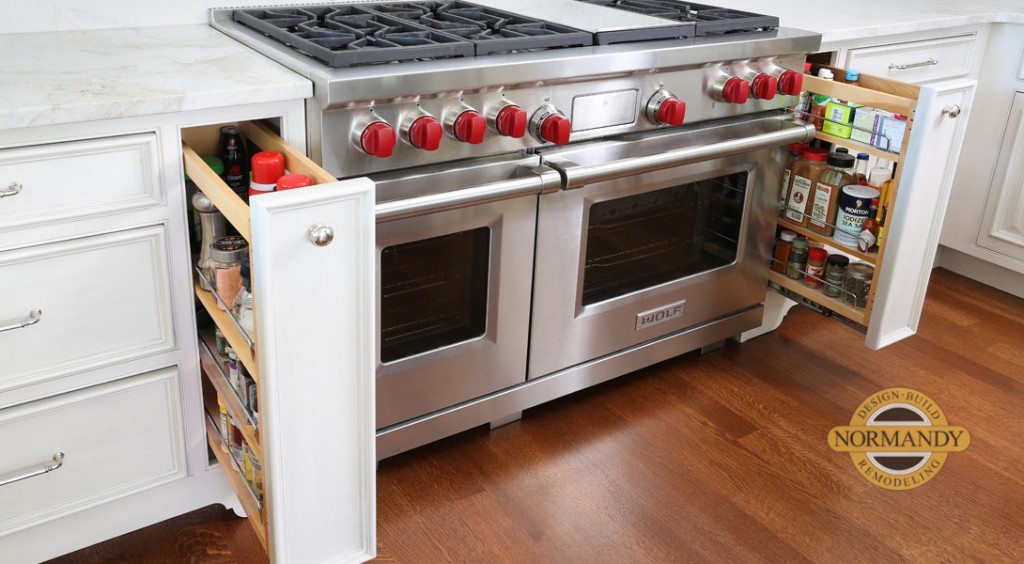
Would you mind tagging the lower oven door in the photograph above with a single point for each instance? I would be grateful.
(654, 234)
(454, 263)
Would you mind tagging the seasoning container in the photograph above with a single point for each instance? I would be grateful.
(191, 189)
(795, 153)
(234, 376)
(853, 77)
(222, 343)
(868, 241)
(267, 167)
(212, 228)
(292, 181)
(782, 249)
(857, 284)
(825, 198)
(835, 273)
(854, 206)
(815, 267)
(255, 475)
(805, 173)
(224, 427)
(236, 162)
(819, 102)
(797, 259)
(226, 267)
(861, 170)
(237, 440)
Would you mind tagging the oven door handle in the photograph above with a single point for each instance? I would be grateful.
(577, 176)
(533, 182)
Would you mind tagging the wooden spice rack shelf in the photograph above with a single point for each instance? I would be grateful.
(875, 92)
(828, 241)
(216, 373)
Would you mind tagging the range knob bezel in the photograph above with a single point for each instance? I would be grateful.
(368, 127)
(656, 103)
(540, 117)
(413, 124)
(453, 122)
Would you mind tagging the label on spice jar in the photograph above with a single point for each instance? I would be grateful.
(819, 207)
(798, 198)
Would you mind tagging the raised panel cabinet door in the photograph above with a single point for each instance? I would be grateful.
(916, 220)
(85, 304)
(1002, 227)
(315, 295)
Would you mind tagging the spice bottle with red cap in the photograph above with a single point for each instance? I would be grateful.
(267, 167)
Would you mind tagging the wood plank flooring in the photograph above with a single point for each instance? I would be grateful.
(720, 457)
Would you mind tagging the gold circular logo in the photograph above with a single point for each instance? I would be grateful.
(898, 439)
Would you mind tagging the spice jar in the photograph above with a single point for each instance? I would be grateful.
(805, 173)
(796, 151)
(815, 271)
(782, 249)
(797, 259)
(226, 256)
(857, 284)
(825, 198)
(835, 272)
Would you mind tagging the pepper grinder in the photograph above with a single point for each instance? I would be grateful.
(212, 225)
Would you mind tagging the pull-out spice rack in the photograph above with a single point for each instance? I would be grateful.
(875, 92)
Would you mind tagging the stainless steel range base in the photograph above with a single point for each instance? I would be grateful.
(499, 405)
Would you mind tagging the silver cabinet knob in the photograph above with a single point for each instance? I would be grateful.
(12, 190)
(321, 235)
(952, 111)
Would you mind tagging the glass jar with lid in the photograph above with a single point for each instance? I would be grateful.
(857, 284)
(226, 256)
(825, 197)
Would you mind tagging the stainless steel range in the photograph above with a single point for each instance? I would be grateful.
(567, 190)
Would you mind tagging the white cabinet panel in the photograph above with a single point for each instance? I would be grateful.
(63, 181)
(1002, 227)
(918, 213)
(117, 439)
(103, 299)
(315, 317)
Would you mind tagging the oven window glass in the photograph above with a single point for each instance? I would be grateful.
(641, 241)
(433, 293)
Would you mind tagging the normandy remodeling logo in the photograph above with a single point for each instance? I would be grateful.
(899, 439)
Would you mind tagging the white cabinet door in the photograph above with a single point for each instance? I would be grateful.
(1002, 226)
(919, 209)
(316, 317)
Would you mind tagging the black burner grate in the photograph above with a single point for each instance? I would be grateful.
(708, 20)
(349, 35)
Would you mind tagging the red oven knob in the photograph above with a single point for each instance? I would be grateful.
(511, 121)
(764, 86)
(469, 127)
(425, 133)
(791, 83)
(550, 126)
(378, 139)
(735, 90)
(665, 109)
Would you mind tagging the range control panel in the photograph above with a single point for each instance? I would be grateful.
(429, 128)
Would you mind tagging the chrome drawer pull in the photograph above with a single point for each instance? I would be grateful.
(58, 461)
(12, 190)
(33, 317)
(929, 63)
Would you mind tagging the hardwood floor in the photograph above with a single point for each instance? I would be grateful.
(721, 457)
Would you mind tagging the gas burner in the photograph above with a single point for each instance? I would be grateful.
(708, 20)
(350, 35)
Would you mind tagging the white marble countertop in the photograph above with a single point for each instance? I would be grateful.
(75, 76)
(860, 19)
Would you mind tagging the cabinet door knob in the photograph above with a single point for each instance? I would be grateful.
(33, 317)
(321, 235)
(952, 111)
(58, 461)
(12, 190)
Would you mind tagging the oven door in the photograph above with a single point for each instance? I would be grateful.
(654, 234)
(454, 263)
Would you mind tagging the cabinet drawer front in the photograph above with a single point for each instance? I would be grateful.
(117, 439)
(916, 61)
(64, 181)
(103, 299)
